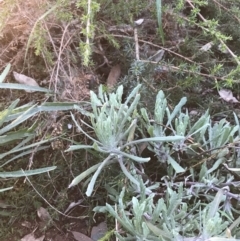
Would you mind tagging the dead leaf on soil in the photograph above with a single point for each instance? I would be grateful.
(206, 47)
(73, 204)
(113, 76)
(227, 95)
(43, 214)
(30, 237)
(139, 21)
(26, 224)
(99, 231)
(23, 79)
(157, 56)
(80, 236)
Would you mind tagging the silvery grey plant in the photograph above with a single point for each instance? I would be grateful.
(171, 218)
(177, 220)
(204, 134)
(114, 124)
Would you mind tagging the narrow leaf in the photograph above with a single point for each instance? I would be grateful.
(96, 174)
(175, 165)
(23, 173)
(23, 87)
(158, 232)
(4, 73)
(6, 189)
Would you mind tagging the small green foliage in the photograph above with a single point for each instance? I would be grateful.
(101, 30)
(90, 8)
(86, 52)
(39, 39)
(137, 68)
(64, 12)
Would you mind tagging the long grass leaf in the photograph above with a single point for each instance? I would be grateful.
(24, 87)
(5, 72)
(5, 113)
(17, 157)
(86, 173)
(214, 206)
(156, 139)
(24, 116)
(96, 174)
(23, 173)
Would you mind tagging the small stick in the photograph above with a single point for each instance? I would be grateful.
(136, 44)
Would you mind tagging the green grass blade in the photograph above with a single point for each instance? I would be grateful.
(4, 73)
(23, 173)
(159, 19)
(18, 121)
(17, 157)
(24, 87)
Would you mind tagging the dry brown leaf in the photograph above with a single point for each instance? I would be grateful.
(158, 55)
(73, 204)
(227, 95)
(80, 236)
(206, 47)
(26, 224)
(113, 76)
(139, 21)
(30, 237)
(23, 79)
(43, 214)
(99, 231)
